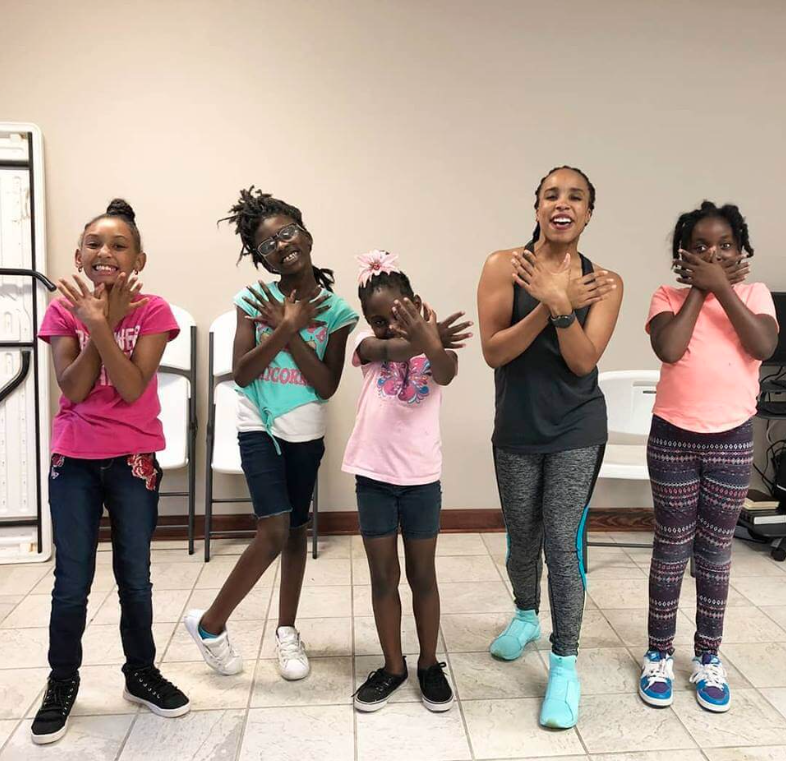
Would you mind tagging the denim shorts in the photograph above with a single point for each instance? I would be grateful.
(382, 507)
(280, 483)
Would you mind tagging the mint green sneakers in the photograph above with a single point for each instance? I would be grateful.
(523, 628)
(560, 709)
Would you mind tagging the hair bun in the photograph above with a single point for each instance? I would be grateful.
(118, 207)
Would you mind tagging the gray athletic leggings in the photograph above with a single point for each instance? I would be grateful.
(545, 499)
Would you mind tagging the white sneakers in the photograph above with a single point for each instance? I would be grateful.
(291, 654)
(222, 657)
(218, 652)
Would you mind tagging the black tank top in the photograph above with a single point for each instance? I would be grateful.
(541, 405)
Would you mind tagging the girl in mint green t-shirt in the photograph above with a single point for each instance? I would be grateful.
(288, 356)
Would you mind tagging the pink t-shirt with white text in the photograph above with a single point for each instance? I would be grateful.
(103, 425)
(396, 438)
(714, 385)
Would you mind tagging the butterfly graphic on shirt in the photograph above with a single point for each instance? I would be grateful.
(406, 381)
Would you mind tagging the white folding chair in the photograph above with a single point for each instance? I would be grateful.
(177, 394)
(630, 396)
(223, 452)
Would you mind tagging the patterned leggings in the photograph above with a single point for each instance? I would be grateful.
(699, 482)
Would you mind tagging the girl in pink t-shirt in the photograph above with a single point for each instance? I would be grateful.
(107, 344)
(712, 336)
(395, 454)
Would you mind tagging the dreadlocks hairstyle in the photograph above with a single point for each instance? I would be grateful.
(252, 207)
(118, 208)
(536, 231)
(731, 213)
(394, 280)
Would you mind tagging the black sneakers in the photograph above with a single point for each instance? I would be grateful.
(375, 692)
(51, 721)
(148, 687)
(437, 695)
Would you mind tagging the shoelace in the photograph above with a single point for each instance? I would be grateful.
(657, 671)
(58, 695)
(154, 682)
(291, 647)
(714, 674)
(434, 674)
(378, 681)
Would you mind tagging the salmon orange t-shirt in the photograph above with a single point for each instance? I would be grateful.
(714, 385)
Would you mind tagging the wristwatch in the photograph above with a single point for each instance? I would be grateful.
(563, 320)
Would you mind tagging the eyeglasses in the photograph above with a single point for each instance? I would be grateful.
(285, 234)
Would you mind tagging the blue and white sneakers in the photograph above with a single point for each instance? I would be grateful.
(712, 687)
(709, 676)
(657, 674)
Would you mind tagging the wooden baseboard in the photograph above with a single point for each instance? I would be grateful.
(346, 522)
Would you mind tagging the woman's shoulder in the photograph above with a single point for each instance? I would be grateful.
(502, 257)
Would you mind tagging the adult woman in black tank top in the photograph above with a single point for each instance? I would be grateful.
(546, 315)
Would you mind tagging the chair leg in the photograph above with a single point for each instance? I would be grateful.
(208, 507)
(584, 544)
(191, 508)
(315, 521)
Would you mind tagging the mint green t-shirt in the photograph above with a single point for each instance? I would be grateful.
(281, 387)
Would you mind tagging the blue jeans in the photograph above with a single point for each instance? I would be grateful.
(280, 483)
(383, 507)
(78, 491)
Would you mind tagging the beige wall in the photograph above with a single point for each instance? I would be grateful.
(421, 127)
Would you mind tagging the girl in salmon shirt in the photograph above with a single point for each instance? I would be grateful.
(711, 336)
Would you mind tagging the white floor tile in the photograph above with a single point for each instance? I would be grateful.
(327, 572)
(209, 690)
(197, 736)
(622, 723)
(425, 737)
(763, 664)
(367, 640)
(215, 573)
(19, 690)
(751, 720)
(498, 702)
(762, 590)
(769, 753)
(744, 625)
(478, 676)
(328, 683)
(28, 646)
(319, 602)
(304, 733)
(89, 738)
(504, 729)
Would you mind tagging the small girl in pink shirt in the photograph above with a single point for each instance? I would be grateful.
(712, 336)
(107, 342)
(396, 455)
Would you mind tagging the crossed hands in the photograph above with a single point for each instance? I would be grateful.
(708, 272)
(91, 307)
(294, 312)
(552, 285)
(421, 328)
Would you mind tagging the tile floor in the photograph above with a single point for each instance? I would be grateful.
(256, 715)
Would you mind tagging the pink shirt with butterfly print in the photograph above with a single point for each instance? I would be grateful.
(396, 438)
